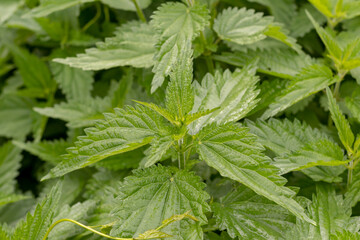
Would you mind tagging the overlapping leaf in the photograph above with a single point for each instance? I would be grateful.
(249, 216)
(309, 81)
(121, 131)
(233, 93)
(176, 25)
(133, 44)
(154, 194)
(234, 152)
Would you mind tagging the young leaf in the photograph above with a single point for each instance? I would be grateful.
(179, 99)
(157, 193)
(249, 216)
(132, 45)
(159, 147)
(176, 25)
(345, 235)
(233, 93)
(232, 151)
(126, 129)
(309, 81)
(342, 125)
(35, 225)
(241, 26)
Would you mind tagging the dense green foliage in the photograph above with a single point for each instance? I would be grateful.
(186, 120)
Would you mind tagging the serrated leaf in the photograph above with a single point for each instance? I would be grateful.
(283, 63)
(78, 114)
(132, 45)
(50, 151)
(301, 24)
(232, 151)
(126, 160)
(345, 235)
(50, 6)
(162, 111)
(179, 98)
(353, 103)
(297, 143)
(124, 130)
(233, 93)
(241, 26)
(331, 44)
(16, 116)
(342, 125)
(352, 195)
(324, 6)
(76, 84)
(176, 25)
(77, 212)
(34, 72)
(246, 215)
(320, 153)
(157, 193)
(35, 225)
(276, 31)
(329, 211)
(310, 80)
(159, 147)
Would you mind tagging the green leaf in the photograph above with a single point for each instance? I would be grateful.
(342, 125)
(276, 31)
(345, 235)
(284, 137)
(132, 45)
(241, 26)
(50, 6)
(233, 93)
(34, 72)
(234, 152)
(125, 130)
(176, 24)
(127, 5)
(78, 114)
(9, 164)
(77, 212)
(283, 63)
(49, 151)
(352, 195)
(7, 9)
(157, 193)
(353, 103)
(246, 215)
(310, 80)
(126, 160)
(324, 6)
(321, 153)
(330, 213)
(16, 116)
(331, 44)
(158, 149)
(35, 225)
(76, 84)
(298, 146)
(179, 98)
(301, 24)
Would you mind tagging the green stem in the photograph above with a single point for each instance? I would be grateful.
(139, 11)
(106, 14)
(94, 19)
(83, 226)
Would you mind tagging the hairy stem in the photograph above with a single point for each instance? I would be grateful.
(83, 226)
(139, 11)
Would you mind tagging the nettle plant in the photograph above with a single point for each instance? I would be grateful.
(205, 119)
